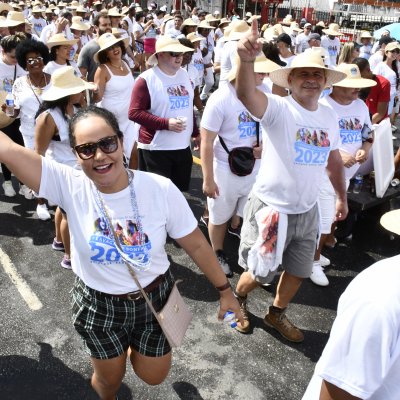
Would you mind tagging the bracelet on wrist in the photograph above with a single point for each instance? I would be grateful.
(223, 287)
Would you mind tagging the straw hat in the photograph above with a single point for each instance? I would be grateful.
(391, 221)
(15, 18)
(333, 30)
(73, 5)
(261, 65)
(211, 18)
(273, 32)
(365, 35)
(204, 25)
(306, 60)
(392, 46)
(239, 28)
(167, 18)
(62, 4)
(78, 24)
(15, 7)
(5, 7)
(287, 20)
(113, 12)
(165, 44)
(105, 41)
(188, 22)
(121, 34)
(97, 3)
(48, 11)
(223, 21)
(321, 24)
(353, 77)
(194, 37)
(37, 9)
(64, 83)
(125, 10)
(139, 9)
(81, 9)
(59, 39)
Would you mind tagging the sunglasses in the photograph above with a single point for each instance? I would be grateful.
(31, 61)
(396, 51)
(174, 54)
(107, 145)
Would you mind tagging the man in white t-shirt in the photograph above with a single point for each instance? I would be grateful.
(377, 57)
(300, 139)
(302, 39)
(37, 21)
(330, 41)
(362, 357)
(356, 138)
(207, 50)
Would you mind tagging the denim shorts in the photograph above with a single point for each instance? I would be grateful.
(110, 325)
(300, 245)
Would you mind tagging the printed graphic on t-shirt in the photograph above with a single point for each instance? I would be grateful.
(198, 63)
(178, 97)
(332, 50)
(312, 146)
(135, 245)
(246, 125)
(350, 130)
(7, 84)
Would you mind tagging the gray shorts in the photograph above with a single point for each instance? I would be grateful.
(300, 245)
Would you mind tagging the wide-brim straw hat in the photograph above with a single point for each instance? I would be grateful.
(204, 25)
(37, 9)
(261, 65)
(211, 18)
(194, 37)
(306, 60)
(59, 39)
(5, 7)
(239, 29)
(365, 35)
(64, 83)
(294, 27)
(78, 24)
(125, 10)
(105, 41)
(165, 44)
(353, 77)
(121, 34)
(97, 3)
(321, 24)
(81, 9)
(188, 22)
(333, 30)
(113, 12)
(15, 18)
(273, 32)
(391, 221)
(223, 21)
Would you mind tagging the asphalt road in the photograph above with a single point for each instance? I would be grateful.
(41, 356)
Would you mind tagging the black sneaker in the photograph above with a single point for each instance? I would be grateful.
(224, 263)
(235, 231)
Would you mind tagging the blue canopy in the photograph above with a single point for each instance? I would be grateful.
(394, 30)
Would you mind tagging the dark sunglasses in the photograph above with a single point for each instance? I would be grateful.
(174, 54)
(32, 61)
(396, 51)
(107, 145)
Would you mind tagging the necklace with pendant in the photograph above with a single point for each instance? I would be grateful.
(37, 90)
(120, 67)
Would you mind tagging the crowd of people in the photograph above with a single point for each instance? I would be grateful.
(282, 115)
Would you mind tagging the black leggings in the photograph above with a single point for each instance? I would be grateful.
(12, 131)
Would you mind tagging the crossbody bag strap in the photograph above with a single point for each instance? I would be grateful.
(223, 144)
(258, 133)
(15, 72)
(130, 269)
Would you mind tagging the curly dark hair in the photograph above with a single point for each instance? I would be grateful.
(93, 111)
(10, 42)
(103, 54)
(31, 46)
(60, 103)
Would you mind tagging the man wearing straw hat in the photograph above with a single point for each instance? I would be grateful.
(330, 41)
(356, 137)
(37, 20)
(302, 39)
(302, 140)
(362, 357)
(162, 104)
(366, 48)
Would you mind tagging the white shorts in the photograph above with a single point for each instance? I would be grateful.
(233, 193)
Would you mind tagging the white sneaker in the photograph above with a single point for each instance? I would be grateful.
(8, 189)
(26, 192)
(42, 212)
(318, 276)
(324, 261)
(394, 128)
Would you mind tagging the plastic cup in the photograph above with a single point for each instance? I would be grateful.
(184, 121)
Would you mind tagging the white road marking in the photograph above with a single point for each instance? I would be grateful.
(23, 288)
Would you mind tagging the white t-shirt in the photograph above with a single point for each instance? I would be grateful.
(302, 42)
(207, 42)
(171, 97)
(333, 47)
(37, 25)
(375, 59)
(174, 33)
(129, 22)
(219, 45)
(384, 70)
(226, 115)
(197, 62)
(362, 355)
(288, 60)
(228, 59)
(7, 75)
(162, 209)
(296, 148)
(52, 66)
(366, 51)
(352, 118)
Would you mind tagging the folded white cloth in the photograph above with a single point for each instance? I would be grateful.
(266, 254)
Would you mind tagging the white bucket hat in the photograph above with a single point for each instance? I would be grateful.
(78, 24)
(333, 30)
(64, 83)
(105, 41)
(165, 44)
(365, 35)
(239, 29)
(391, 221)
(59, 39)
(306, 60)
(353, 77)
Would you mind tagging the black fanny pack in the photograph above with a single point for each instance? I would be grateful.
(241, 159)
